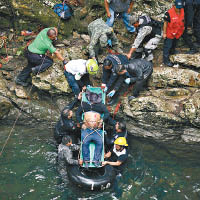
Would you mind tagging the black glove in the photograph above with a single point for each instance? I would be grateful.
(64, 62)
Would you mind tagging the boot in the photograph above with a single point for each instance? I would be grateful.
(167, 61)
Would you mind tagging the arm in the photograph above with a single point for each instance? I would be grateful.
(79, 114)
(165, 29)
(106, 112)
(117, 163)
(130, 7)
(93, 42)
(69, 159)
(112, 79)
(58, 55)
(107, 8)
(119, 82)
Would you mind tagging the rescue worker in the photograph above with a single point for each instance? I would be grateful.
(111, 81)
(118, 131)
(118, 155)
(77, 73)
(65, 155)
(172, 30)
(66, 125)
(138, 71)
(36, 54)
(188, 32)
(101, 36)
(122, 8)
(147, 39)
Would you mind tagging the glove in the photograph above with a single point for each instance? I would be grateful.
(77, 76)
(127, 81)
(64, 62)
(111, 94)
(88, 86)
(109, 42)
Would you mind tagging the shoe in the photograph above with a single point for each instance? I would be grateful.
(20, 82)
(169, 63)
(131, 98)
(97, 164)
(34, 72)
(191, 51)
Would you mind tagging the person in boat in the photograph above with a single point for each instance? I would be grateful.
(118, 156)
(66, 125)
(36, 54)
(112, 81)
(119, 131)
(77, 73)
(94, 104)
(92, 132)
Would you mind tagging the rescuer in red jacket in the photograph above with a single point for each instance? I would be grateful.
(172, 30)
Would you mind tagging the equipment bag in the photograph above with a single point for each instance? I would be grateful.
(64, 11)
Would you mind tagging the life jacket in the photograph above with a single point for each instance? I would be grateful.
(175, 27)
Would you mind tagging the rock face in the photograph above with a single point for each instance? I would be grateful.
(164, 112)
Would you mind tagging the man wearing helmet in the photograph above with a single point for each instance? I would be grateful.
(118, 155)
(101, 35)
(77, 73)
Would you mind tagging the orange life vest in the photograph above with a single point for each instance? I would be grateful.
(175, 27)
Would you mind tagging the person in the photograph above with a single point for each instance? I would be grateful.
(92, 132)
(192, 24)
(66, 125)
(138, 71)
(94, 104)
(65, 155)
(111, 80)
(118, 131)
(77, 73)
(188, 32)
(148, 36)
(118, 155)
(122, 7)
(172, 30)
(101, 36)
(36, 53)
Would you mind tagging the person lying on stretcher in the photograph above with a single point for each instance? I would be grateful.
(91, 132)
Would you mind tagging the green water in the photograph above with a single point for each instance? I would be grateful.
(28, 170)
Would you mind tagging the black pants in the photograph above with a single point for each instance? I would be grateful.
(140, 85)
(168, 48)
(40, 63)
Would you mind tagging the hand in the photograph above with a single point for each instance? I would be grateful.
(80, 96)
(127, 81)
(78, 125)
(80, 162)
(77, 76)
(104, 163)
(108, 14)
(111, 94)
(164, 35)
(129, 55)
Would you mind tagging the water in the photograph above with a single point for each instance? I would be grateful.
(28, 170)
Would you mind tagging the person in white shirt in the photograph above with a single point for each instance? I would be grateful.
(77, 73)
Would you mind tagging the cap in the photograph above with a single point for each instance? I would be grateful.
(178, 4)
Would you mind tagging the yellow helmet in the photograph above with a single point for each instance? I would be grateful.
(92, 66)
(121, 141)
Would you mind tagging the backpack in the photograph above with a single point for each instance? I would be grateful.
(63, 10)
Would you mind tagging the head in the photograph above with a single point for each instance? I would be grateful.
(120, 127)
(120, 143)
(107, 64)
(67, 113)
(178, 4)
(103, 40)
(51, 33)
(67, 140)
(92, 67)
